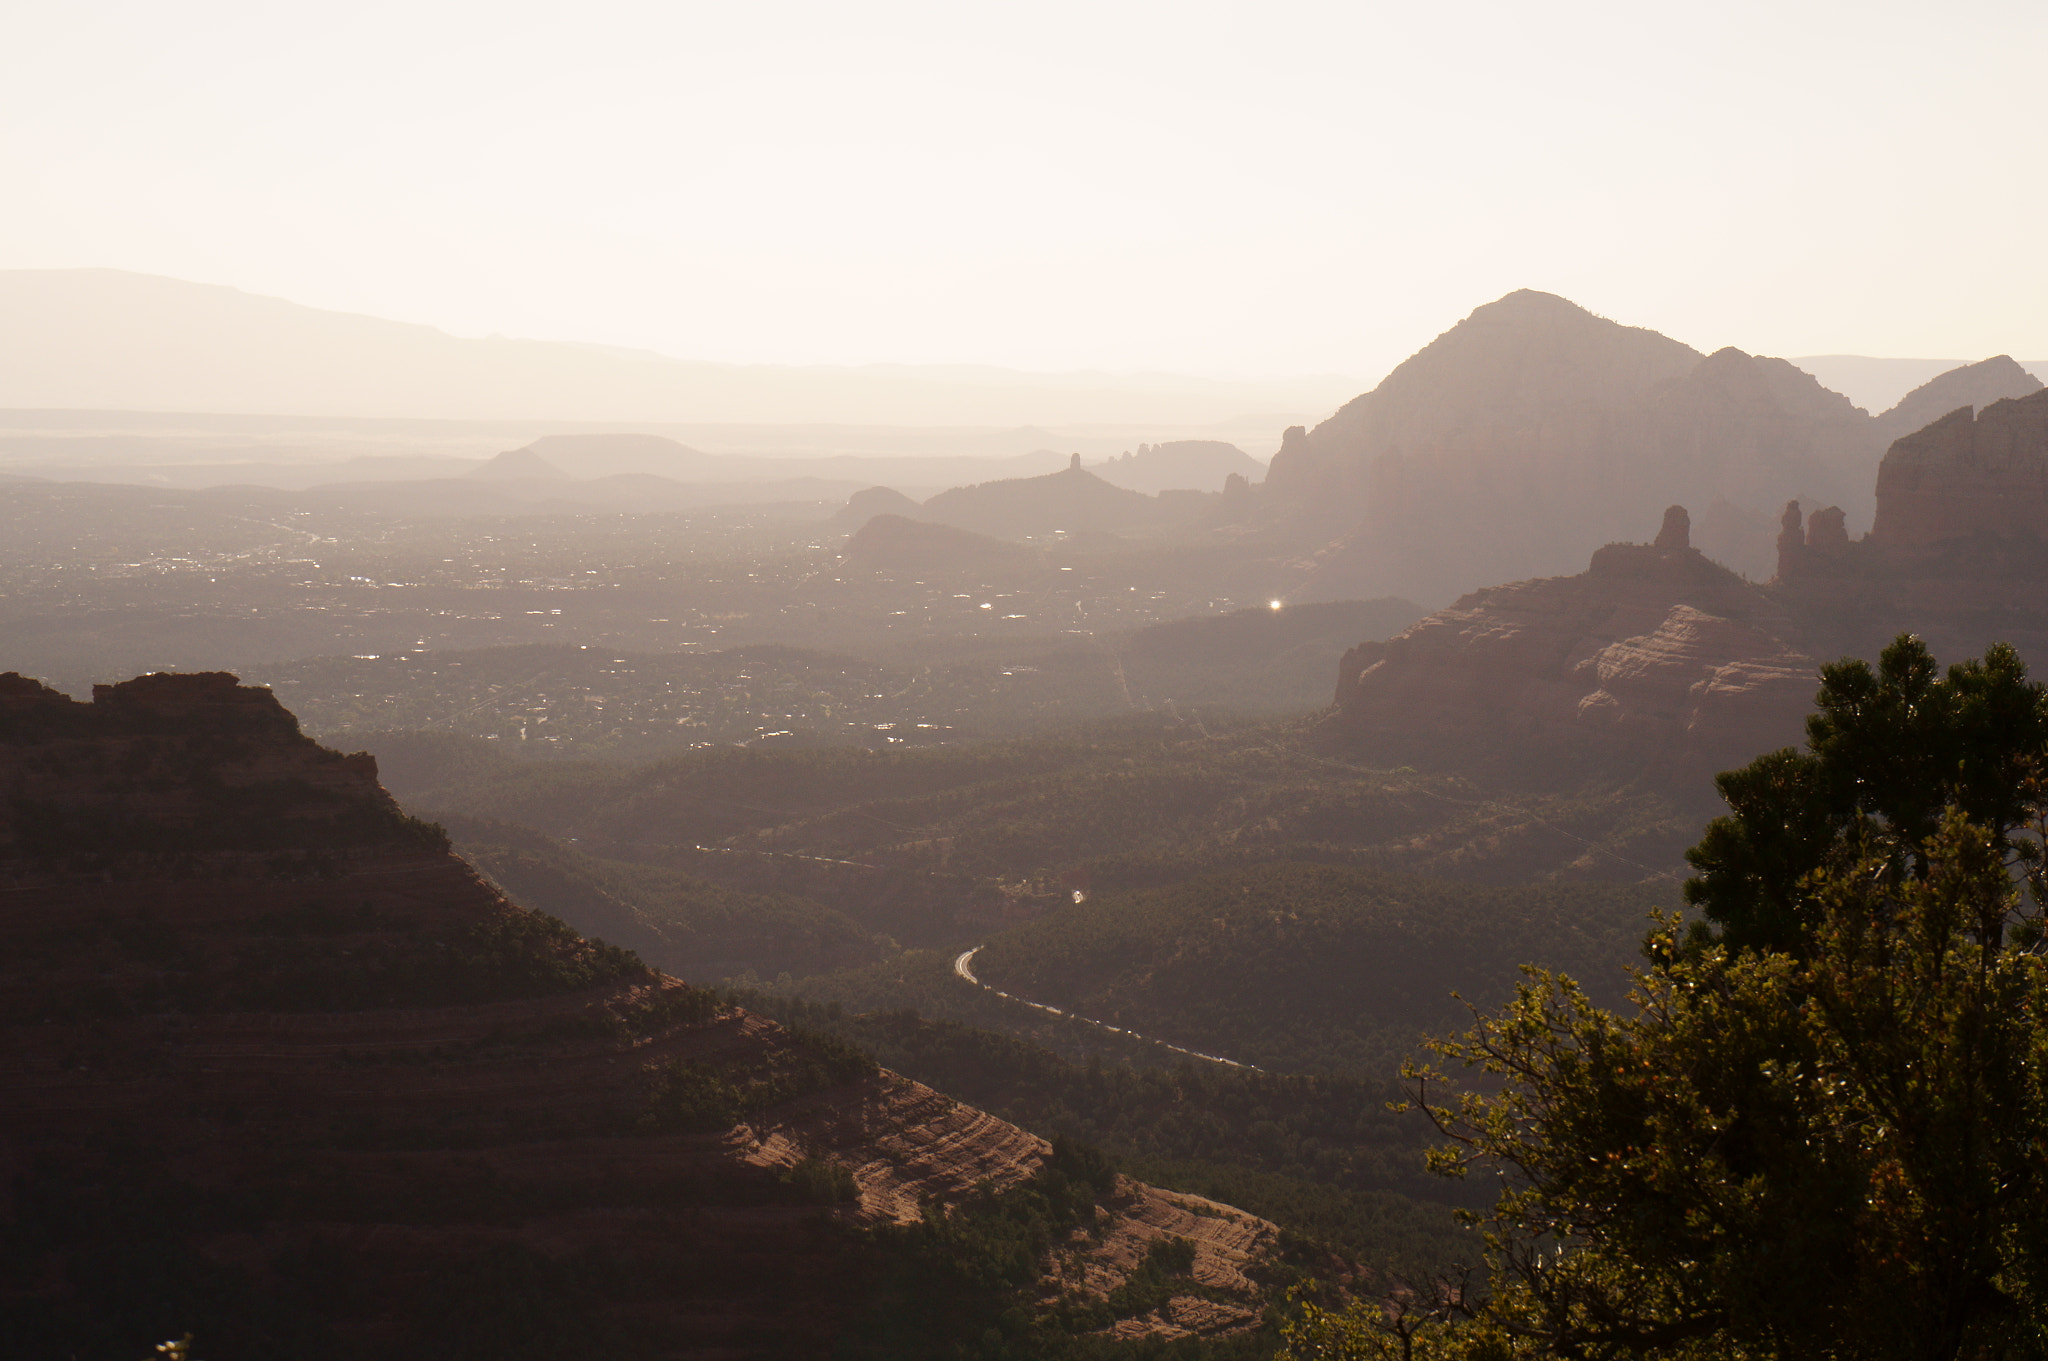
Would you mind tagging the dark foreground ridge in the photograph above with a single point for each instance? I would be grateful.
(280, 1070)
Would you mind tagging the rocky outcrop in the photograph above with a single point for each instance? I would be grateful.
(1654, 664)
(1821, 548)
(306, 1085)
(1676, 531)
(123, 773)
(1230, 1245)
(1968, 475)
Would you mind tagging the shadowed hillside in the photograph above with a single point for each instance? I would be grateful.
(283, 1072)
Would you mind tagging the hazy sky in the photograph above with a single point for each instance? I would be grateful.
(1225, 188)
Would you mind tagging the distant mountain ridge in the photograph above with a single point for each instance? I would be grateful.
(1197, 465)
(1533, 432)
(111, 339)
(1878, 384)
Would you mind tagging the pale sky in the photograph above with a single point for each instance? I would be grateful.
(1231, 189)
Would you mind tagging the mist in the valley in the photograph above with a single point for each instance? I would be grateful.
(691, 682)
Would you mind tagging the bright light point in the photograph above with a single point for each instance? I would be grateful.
(1272, 604)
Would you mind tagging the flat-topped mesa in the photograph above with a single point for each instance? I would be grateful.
(1967, 476)
(167, 764)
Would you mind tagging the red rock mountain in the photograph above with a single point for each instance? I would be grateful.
(1969, 474)
(1659, 665)
(277, 1068)
(1655, 664)
(1533, 432)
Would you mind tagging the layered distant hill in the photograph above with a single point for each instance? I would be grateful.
(1877, 384)
(1534, 431)
(110, 339)
(1074, 501)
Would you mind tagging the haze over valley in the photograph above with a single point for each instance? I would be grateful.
(681, 684)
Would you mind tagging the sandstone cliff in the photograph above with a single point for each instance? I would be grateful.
(1968, 475)
(1655, 664)
(277, 1068)
(1960, 543)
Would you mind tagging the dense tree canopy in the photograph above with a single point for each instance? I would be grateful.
(1890, 752)
(1820, 1133)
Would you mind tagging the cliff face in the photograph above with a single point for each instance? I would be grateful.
(174, 765)
(1967, 475)
(1533, 432)
(277, 1068)
(1654, 664)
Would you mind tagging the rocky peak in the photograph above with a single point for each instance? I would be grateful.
(1676, 531)
(1730, 380)
(1508, 362)
(1974, 385)
(1820, 549)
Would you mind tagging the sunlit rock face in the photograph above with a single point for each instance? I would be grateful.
(1654, 664)
(1968, 475)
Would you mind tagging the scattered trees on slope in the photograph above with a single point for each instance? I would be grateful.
(1819, 1133)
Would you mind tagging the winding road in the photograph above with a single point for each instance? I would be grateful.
(963, 965)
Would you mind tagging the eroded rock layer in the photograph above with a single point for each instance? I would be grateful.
(1655, 663)
(278, 1069)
